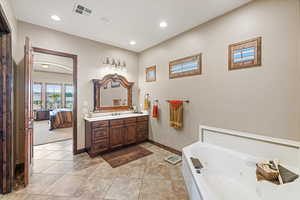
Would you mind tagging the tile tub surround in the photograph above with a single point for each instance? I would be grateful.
(68, 177)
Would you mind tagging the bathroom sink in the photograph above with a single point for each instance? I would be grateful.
(118, 116)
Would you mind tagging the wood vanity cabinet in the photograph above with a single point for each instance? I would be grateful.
(102, 136)
(116, 136)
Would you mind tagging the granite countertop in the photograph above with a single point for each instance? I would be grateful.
(110, 117)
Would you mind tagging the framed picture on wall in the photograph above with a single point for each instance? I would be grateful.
(151, 74)
(245, 54)
(188, 66)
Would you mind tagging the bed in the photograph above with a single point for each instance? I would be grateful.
(60, 118)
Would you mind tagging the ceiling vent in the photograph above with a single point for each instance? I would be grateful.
(79, 9)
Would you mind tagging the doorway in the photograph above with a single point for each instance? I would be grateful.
(50, 103)
(49, 108)
(52, 98)
(58, 95)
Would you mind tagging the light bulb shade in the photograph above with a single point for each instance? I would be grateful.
(113, 62)
(107, 60)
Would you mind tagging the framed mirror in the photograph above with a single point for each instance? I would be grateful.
(113, 92)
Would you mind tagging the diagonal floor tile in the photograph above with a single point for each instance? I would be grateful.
(42, 165)
(39, 183)
(96, 188)
(60, 167)
(67, 186)
(157, 189)
(124, 189)
(58, 175)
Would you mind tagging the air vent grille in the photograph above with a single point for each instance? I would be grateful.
(79, 9)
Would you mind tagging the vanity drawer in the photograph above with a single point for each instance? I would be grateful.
(116, 122)
(142, 126)
(100, 145)
(130, 120)
(99, 133)
(99, 124)
(143, 118)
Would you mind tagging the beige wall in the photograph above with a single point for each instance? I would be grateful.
(262, 100)
(90, 57)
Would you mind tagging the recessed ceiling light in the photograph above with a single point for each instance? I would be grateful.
(132, 42)
(45, 66)
(55, 18)
(163, 24)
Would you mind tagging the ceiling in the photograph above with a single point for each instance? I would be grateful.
(117, 22)
(56, 64)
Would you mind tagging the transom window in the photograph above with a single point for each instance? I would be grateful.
(185, 67)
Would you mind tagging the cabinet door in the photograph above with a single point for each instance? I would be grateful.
(130, 134)
(116, 136)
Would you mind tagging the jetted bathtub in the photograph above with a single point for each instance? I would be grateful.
(230, 175)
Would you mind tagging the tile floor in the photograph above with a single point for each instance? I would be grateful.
(58, 175)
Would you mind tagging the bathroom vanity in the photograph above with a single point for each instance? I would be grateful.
(110, 132)
(113, 125)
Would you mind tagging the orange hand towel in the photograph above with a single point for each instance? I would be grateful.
(155, 113)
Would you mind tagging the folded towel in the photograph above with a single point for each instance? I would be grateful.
(155, 111)
(146, 104)
(176, 114)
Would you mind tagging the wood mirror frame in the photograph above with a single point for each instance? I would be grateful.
(97, 92)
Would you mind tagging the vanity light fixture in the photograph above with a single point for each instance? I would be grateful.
(163, 24)
(55, 18)
(115, 64)
(132, 42)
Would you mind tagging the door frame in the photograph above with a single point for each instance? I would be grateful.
(75, 66)
(6, 134)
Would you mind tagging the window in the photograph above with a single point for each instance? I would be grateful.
(37, 96)
(53, 96)
(185, 67)
(245, 54)
(68, 96)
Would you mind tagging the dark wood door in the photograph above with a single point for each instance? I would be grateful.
(130, 133)
(116, 138)
(6, 169)
(29, 116)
